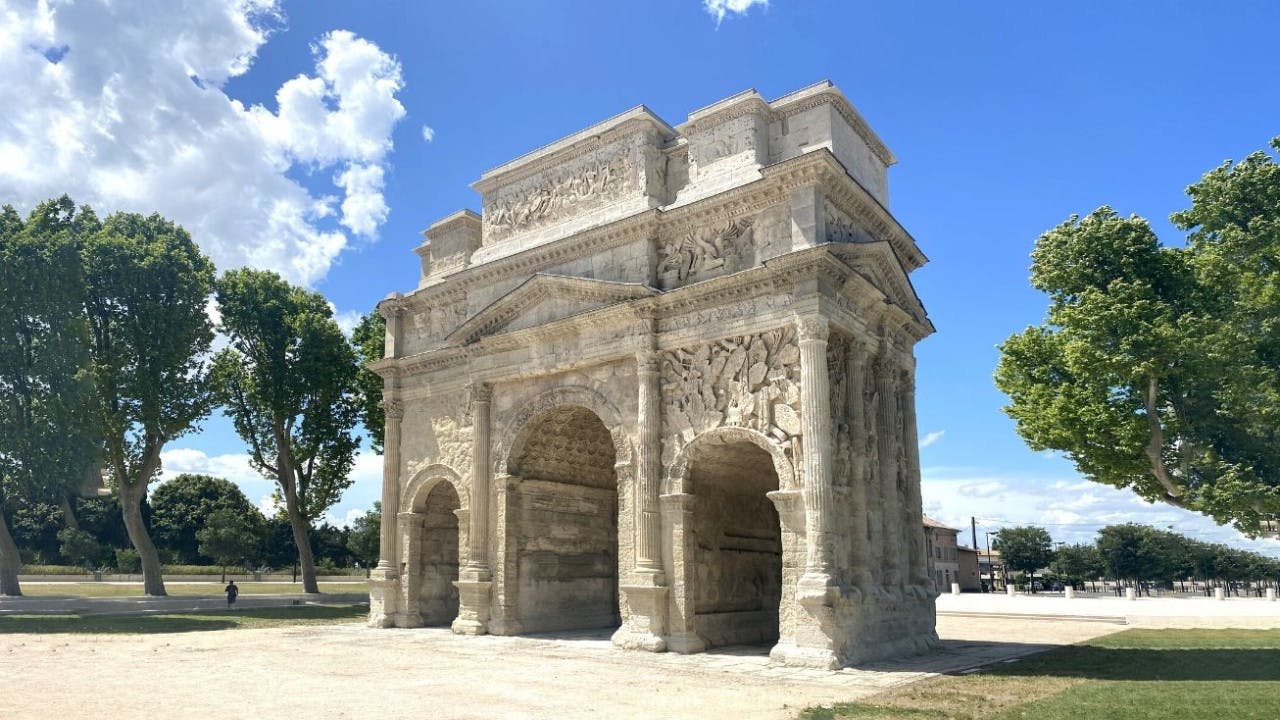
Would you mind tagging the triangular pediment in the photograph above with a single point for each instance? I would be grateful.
(543, 299)
(877, 262)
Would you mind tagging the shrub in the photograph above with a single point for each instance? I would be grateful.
(128, 561)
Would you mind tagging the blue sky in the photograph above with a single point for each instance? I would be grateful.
(319, 139)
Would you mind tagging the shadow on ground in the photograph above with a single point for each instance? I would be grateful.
(1097, 663)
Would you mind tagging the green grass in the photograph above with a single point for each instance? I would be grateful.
(1134, 675)
(182, 623)
(104, 590)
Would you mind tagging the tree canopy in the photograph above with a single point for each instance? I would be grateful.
(1158, 368)
(181, 507)
(47, 444)
(369, 338)
(1025, 549)
(288, 382)
(147, 285)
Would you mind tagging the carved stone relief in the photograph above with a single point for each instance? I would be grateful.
(592, 182)
(840, 227)
(433, 323)
(751, 382)
(721, 314)
(704, 249)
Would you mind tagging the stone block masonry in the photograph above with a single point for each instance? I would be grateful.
(664, 383)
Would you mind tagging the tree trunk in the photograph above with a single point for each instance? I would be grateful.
(10, 562)
(301, 539)
(131, 507)
(69, 515)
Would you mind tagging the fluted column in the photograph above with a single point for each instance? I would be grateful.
(478, 532)
(649, 520)
(887, 452)
(911, 450)
(860, 556)
(815, 401)
(387, 555)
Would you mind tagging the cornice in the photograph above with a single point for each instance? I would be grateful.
(537, 288)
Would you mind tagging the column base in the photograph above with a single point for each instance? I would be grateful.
(646, 619)
(796, 656)
(817, 589)
(473, 607)
(384, 595)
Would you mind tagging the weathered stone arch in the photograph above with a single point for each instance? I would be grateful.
(677, 480)
(425, 480)
(520, 427)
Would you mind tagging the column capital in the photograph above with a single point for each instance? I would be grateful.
(394, 409)
(481, 392)
(813, 328)
(648, 361)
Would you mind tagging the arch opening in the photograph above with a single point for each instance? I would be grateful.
(737, 545)
(566, 525)
(434, 554)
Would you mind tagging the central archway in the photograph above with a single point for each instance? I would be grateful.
(566, 525)
(738, 576)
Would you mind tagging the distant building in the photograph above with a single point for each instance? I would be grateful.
(991, 570)
(943, 553)
(970, 578)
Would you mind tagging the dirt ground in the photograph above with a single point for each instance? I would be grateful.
(349, 671)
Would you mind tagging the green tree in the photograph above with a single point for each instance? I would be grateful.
(181, 506)
(369, 338)
(1025, 549)
(288, 381)
(1134, 552)
(1077, 563)
(363, 541)
(147, 286)
(46, 443)
(230, 536)
(1158, 368)
(83, 549)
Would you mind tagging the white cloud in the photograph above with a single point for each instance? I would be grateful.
(720, 8)
(230, 466)
(347, 320)
(428, 133)
(931, 438)
(121, 105)
(1071, 509)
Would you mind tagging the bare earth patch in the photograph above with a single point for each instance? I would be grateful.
(349, 671)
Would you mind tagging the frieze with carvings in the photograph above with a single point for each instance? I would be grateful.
(431, 324)
(577, 188)
(720, 314)
(751, 381)
(705, 249)
(840, 227)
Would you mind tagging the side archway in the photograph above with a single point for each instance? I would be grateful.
(433, 534)
(713, 443)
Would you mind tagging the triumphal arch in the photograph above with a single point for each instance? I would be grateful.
(664, 383)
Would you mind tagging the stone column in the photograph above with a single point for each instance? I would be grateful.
(887, 452)
(860, 556)
(384, 585)
(648, 469)
(819, 498)
(914, 512)
(387, 554)
(474, 580)
(677, 511)
(478, 533)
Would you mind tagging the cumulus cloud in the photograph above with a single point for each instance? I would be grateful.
(122, 105)
(428, 133)
(720, 8)
(931, 438)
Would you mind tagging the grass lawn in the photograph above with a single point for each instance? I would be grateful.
(177, 623)
(94, 589)
(1133, 675)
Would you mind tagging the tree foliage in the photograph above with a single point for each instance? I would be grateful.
(46, 443)
(1077, 563)
(230, 536)
(182, 506)
(147, 285)
(365, 536)
(288, 381)
(1158, 368)
(1025, 549)
(369, 338)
